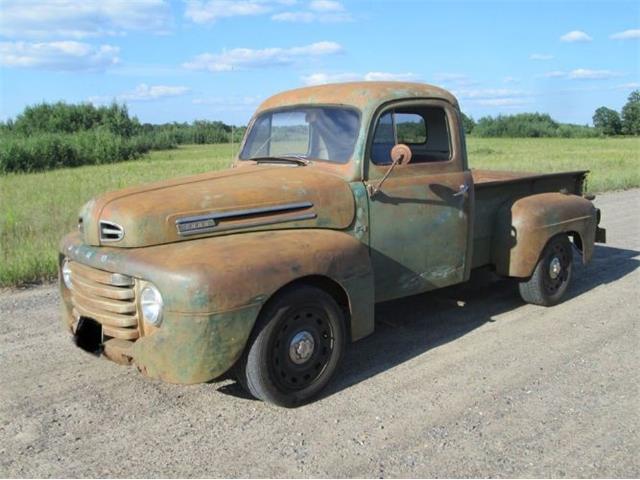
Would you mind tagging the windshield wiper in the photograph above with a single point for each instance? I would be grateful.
(297, 159)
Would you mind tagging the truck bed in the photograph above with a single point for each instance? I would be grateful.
(486, 178)
(494, 188)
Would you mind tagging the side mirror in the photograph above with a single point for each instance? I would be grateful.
(400, 155)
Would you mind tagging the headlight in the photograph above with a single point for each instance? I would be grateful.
(66, 274)
(151, 305)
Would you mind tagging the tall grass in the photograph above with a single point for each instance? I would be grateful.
(37, 209)
(614, 162)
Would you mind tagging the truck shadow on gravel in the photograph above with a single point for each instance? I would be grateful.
(411, 326)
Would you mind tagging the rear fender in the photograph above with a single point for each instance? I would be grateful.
(524, 227)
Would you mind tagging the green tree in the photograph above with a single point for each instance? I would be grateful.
(468, 123)
(631, 114)
(608, 121)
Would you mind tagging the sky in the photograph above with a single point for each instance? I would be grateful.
(218, 59)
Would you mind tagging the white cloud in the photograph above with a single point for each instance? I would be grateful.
(64, 55)
(389, 77)
(200, 11)
(588, 74)
(228, 104)
(511, 80)
(326, 6)
(540, 56)
(208, 11)
(493, 97)
(503, 102)
(456, 79)
(324, 11)
(308, 17)
(153, 92)
(323, 78)
(144, 92)
(242, 101)
(69, 19)
(628, 86)
(582, 74)
(554, 74)
(296, 17)
(576, 36)
(626, 35)
(246, 58)
(486, 93)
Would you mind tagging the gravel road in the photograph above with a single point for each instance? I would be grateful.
(467, 381)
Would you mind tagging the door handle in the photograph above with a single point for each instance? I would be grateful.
(464, 188)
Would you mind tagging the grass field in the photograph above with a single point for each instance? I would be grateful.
(37, 209)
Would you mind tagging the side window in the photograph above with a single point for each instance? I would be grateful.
(424, 129)
(411, 128)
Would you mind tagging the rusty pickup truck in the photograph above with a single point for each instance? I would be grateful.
(342, 196)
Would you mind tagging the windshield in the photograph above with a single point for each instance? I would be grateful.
(318, 133)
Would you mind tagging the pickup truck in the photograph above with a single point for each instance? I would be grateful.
(342, 196)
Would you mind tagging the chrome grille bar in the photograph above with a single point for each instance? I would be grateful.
(108, 298)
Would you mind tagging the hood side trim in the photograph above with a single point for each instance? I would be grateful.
(199, 224)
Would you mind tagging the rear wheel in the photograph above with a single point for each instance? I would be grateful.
(552, 274)
(295, 347)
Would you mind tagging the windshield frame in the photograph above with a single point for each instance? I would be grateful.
(300, 106)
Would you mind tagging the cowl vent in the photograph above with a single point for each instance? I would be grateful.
(110, 232)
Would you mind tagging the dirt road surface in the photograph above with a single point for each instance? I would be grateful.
(468, 381)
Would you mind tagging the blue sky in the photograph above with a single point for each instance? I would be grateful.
(217, 59)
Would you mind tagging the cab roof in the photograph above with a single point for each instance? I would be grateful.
(362, 95)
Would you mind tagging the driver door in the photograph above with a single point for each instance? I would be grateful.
(420, 221)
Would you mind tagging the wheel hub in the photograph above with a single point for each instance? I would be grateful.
(555, 267)
(301, 347)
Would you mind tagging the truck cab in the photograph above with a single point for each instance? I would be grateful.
(342, 196)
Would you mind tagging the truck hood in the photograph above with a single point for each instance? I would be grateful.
(260, 197)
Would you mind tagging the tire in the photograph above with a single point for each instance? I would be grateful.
(552, 274)
(295, 347)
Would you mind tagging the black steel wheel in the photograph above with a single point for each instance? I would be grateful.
(552, 274)
(295, 347)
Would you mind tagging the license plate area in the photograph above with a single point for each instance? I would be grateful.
(88, 335)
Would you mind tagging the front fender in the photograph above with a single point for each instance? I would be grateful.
(525, 226)
(213, 289)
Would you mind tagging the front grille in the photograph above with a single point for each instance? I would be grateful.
(108, 298)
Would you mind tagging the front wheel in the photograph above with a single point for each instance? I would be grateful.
(295, 347)
(552, 274)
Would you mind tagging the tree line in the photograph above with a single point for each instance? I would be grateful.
(627, 122)
(606, 122)
(53, 135)
(47, 136)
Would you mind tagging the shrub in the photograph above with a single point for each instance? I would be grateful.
(608, 121)
(48, 136)
(46, 151)
(529, 125)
